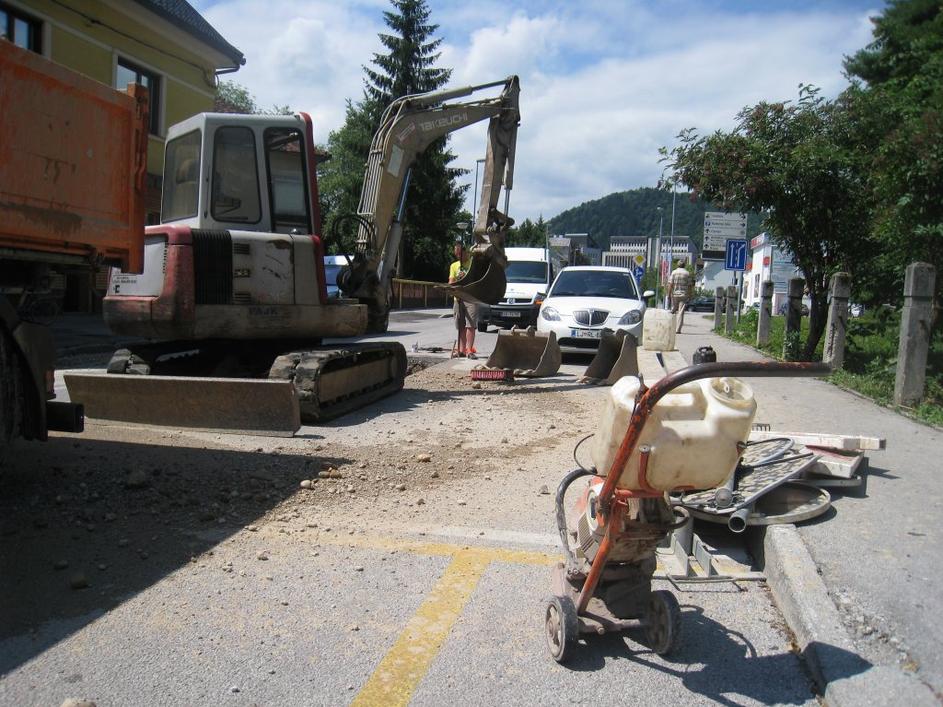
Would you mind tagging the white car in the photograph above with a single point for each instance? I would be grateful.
(585, 300)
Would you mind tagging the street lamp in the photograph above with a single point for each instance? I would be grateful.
(661, 257)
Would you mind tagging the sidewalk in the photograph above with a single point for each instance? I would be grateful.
(879, 552)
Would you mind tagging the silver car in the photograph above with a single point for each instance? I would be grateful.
(585, 300)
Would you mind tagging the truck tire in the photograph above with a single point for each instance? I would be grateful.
(11, 392)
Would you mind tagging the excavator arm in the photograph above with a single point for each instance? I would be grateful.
(408, 126)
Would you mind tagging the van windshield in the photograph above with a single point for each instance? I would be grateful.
(532, 271)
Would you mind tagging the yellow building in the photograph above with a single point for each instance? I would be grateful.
(164, 44)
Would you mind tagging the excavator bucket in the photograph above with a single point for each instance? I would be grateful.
(616, 357)
(527, 353)
(484, 282)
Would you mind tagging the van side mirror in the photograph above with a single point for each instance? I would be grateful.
(648, 293)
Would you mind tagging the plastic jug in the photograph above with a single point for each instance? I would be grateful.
(658, 330)
(692, 432)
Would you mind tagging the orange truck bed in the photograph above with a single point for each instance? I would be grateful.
(72, 162)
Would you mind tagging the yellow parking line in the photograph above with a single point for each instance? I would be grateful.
(404, 666)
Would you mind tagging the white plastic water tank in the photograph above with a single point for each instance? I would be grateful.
(693, 433)
(658, 330)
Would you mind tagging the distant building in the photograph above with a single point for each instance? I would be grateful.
(576, 249)
(624, 249)
(769, 262)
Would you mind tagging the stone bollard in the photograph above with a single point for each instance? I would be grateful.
(729, 320)
(766, 313)
(837, 325)
(914, 344)
(718, 306)
(793, 336)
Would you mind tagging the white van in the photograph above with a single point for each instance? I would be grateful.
(529, 274)
(333, 264)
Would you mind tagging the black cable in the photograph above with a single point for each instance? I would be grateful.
(591, 470)
(561, 511)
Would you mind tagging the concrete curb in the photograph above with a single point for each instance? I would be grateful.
(843, 676)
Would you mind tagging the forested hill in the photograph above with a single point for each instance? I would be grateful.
(634, 213)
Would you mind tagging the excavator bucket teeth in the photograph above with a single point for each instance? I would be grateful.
(241, 405)
(616, 357)
(527, 353)
(484, 282)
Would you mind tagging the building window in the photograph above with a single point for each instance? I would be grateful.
(22, 30)
(130, 73)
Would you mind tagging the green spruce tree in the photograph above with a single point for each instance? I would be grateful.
(434, 200)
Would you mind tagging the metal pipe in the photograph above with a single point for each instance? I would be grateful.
(737, 522)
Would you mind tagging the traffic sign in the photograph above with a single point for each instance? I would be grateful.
(639, 260)
(719, 227)
(639, 272)
(736, 254)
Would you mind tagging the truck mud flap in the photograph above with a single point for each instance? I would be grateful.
(616, 357)
(485, 283)
(234, 405)
(527, 353)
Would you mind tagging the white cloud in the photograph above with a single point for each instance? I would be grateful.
(604, 84)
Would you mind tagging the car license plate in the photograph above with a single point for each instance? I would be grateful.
(585, 333)
(511, 315)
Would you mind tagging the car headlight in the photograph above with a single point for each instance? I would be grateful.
(633, 316)
(550, 314)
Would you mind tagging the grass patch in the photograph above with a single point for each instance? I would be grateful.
(870, 358)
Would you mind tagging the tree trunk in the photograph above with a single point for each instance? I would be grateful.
(818, 316)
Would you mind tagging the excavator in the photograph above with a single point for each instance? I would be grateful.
(232, 300)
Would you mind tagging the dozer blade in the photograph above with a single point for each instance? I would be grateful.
(616, 357)
(236, 405)
(527, 353)
(484, 282)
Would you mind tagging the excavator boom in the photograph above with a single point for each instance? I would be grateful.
(408, 126)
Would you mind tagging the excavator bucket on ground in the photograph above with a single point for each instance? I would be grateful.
(484, 282)
(527, 353)
(616, 357)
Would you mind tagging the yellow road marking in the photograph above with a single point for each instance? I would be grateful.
(396, 677)
(497, 554)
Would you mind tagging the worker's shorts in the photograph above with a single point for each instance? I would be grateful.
(466, 314)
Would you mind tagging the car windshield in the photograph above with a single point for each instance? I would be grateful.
(594, 283)
(523, 271)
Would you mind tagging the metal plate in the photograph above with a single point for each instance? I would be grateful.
(751, 486)
(793, 502)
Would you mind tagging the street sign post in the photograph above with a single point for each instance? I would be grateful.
(719, 227)
(639, 272)
(735, 254)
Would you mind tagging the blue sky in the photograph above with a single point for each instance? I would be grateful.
(604, 84)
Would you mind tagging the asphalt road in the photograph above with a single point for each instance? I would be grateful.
(204, 573)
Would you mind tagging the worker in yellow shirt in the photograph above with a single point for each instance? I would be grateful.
(466, 313)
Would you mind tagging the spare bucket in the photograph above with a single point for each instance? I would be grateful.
(616, 357)
(527, 353)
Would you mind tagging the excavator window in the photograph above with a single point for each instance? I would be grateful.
(288, 183)
(235, 176)
(181, 178)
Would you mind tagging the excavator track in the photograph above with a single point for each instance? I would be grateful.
(332, 382)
